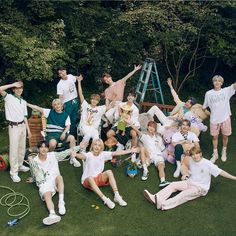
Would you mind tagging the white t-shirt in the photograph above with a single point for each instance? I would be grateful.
(67, 88)
(134, 116)
(15, 108)
(91, 116)
(45, 170)
(154, 144)
(201, 173)
(218, 102)
(94, 165)
(192, 137)
(46, 114)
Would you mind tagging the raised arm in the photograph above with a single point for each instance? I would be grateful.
(136, 68)
(5, 87)
(173, 92)
(80, 91)
(34, 107)
(123, 152)
(234, 85)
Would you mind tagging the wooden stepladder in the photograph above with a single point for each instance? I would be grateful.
(149, 82)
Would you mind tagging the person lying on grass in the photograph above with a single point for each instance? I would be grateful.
(94, 175)
(45, 172)
(195, 182)
(151, 151)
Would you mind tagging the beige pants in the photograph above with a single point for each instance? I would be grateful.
(17, 143)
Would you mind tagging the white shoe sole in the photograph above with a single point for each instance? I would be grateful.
(51, 220)
(148, 197)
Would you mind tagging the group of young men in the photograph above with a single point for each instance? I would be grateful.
(62, 121)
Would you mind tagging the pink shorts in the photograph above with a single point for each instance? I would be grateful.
(98, 180)
(225, 128)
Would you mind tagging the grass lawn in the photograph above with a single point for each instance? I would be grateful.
(211, 215)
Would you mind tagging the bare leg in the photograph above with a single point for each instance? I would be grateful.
(48, 199)
(161, 167)
(215, 142)
(60, 184)
(134, 140)
(225, 140)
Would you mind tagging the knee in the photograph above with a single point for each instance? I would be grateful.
(215, 137)
(109, 173)
(133, 134)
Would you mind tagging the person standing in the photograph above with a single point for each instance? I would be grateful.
(66, 89)
(217, 99)
(16, 115)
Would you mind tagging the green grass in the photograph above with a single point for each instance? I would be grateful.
(210, 215)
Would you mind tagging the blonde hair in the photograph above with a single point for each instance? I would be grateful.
(56, 101)
(218, 77)
(97, 141)
(95, 97)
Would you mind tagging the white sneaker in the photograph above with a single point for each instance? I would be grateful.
(214, 157)
(158, 202)
(120, 147)
(51, 219)
(177, 172)
(23, 168)
(15, 178)
(223, 155)
(109, 203)
(150, 197)
(145, 175)
(74, 162)
(61, 207)
(120, 201)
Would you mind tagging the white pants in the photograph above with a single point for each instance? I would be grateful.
(17, 143)
(165, 120)
(89, 132)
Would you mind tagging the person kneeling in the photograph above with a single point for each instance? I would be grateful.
(94, 175)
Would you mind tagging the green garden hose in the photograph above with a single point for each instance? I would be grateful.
(14, 200)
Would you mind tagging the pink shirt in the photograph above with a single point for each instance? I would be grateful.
(115, 92)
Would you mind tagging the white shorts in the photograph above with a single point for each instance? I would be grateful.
(49, 186)
(155, 158)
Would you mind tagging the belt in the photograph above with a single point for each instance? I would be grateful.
(11, 123)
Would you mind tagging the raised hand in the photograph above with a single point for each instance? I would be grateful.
(138, 67)
(79, 78)
(18, 84)
(169, 82)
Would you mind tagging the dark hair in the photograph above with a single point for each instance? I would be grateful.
(193, 100)
(105, 74)
(40, 144)
(152, 124)
(61, 68)
(131, 92)
(187, 121)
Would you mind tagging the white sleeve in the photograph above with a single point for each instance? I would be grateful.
(106, 155)
(194, 137)
(175, 138)
(7, 97)
(46, 112)
(25, 110)
(214, 169)
(73, 78)
(84, 104)
(230, 90)
(59, 90)
(205, 104)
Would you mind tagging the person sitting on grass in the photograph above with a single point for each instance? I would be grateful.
(195, 182)
(151, 151)
(45, 172)
(58, 126)
(91, 114)
(183, 141)
(94, 175)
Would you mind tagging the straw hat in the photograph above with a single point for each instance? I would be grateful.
(126, 107)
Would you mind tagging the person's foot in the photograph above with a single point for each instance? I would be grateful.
(177, 172)
(214, 157)
(158, 202)
(61, 207)
(145, 175)
(23, 168)
(150, 197)
(51, 219)
(133, 157)
(223, 155)
(74, 162)
(164, 184)
(15, 178)
(109, 203)
(120, 201)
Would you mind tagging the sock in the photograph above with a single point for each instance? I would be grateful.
(61, 197)
(116, 193)
(145, 168)
(52, 212)
(215, 151)
(178, 163)
(104, 198)
(224, 148)
(162, 179)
